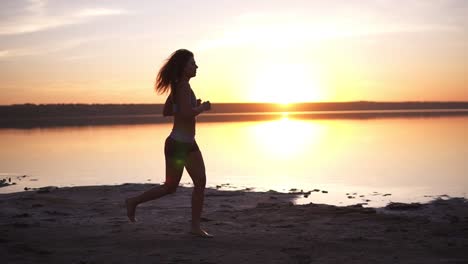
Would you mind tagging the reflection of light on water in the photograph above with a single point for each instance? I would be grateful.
(286, 138)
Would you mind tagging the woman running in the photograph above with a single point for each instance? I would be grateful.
(180, 149)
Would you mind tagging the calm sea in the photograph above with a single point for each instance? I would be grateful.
(346, 161)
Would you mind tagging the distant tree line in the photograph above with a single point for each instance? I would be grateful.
(83, 110)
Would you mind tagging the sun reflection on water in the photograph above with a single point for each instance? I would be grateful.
(287, 138)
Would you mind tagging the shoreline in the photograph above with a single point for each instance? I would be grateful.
(323, 194)
(330, 194)
(89, 225)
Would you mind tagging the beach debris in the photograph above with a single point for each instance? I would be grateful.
(296, 191)
(224, 185)
(316, 190)
(387, 194)
(351, 197)
(444, 197)
(403, 206)
(3, 182)
(6, 182)
(324, 191)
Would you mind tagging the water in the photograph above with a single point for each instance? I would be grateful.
(373, 161)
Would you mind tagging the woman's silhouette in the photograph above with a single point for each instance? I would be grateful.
(180, 149)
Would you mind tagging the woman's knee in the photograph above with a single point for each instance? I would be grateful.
(170, 188)
(200, 183)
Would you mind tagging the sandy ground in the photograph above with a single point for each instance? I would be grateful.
(89, 225)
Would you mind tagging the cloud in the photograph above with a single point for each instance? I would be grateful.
(36, 19)
(38, 50)
(272, 30)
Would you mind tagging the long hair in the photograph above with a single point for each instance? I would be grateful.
(172, 70)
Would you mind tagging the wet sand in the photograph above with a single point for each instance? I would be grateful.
(89, 225)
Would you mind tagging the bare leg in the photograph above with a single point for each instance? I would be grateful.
(173, 175)
(196, 168)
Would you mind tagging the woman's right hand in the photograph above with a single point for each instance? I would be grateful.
(206, 105)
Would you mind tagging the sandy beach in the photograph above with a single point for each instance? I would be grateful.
(89, 225)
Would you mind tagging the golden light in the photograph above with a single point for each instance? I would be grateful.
(287, 138)
(285, 84)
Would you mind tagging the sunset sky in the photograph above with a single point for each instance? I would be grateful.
(246, 50)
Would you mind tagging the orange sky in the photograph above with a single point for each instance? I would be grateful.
(247, 51)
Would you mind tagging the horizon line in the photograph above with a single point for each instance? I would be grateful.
(266, 103)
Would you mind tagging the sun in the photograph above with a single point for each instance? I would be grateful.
(285, 84)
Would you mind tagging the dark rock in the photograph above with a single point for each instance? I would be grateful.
(324, 191)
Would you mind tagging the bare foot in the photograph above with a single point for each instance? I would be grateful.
(200, 233)
(131, 206)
